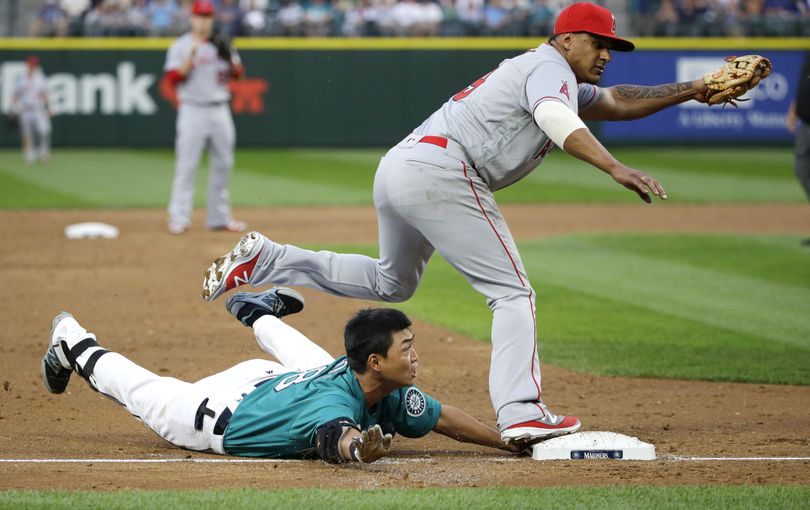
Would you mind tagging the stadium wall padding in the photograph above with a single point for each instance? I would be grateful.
(342, 92)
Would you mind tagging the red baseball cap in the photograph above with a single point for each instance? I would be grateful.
(32, 61)
(202, 8)
(595, 20)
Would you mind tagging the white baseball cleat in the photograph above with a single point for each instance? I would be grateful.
(232, 226)
(176, 228)
(548, 426)
(233, 269)
(55, 367)
(68, 340)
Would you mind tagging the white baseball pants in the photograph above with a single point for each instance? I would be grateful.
(171, 407)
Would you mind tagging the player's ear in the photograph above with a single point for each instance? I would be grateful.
(373, 362)
(567, 40)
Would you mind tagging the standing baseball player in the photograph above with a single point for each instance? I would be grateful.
(434, 191)
(200, 67)
(798, 123)
(30, 103)
(309, 405)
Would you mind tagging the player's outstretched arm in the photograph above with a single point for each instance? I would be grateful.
(583, 145)
(568, 131)
(734, 79)
(456, 424)
(628, 102)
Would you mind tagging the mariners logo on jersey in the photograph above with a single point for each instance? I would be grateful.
(415, 402)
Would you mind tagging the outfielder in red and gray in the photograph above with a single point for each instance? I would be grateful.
(30, 102)
(434, 191)
(201, 69)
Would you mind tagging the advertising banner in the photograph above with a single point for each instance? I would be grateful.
(104, 95)
(760, 119)
(287, 98)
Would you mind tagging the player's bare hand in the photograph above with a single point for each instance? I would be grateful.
(791, 118)
(371, 445)
(701, 91)
(638, 181)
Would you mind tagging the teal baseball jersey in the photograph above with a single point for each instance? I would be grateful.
(279, 418)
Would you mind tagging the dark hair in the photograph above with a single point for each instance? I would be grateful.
(369, 332)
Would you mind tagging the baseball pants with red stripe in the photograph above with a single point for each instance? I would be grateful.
(429, 198)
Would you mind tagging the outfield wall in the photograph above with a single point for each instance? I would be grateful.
(368, 92)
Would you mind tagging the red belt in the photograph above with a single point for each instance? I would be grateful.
(435, 140)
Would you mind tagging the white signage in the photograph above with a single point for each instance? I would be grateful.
(122, 93)
(690, 68)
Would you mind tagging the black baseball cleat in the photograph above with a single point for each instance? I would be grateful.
(247, 307)
(55, 373)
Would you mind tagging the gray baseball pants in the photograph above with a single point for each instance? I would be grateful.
(429, 198)
(802, 156)
(35, 126)
(200, 127)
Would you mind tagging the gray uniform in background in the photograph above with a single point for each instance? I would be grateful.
(800, 126)
(203, 121)
(802, 105)
(434, 191)
(31, 104)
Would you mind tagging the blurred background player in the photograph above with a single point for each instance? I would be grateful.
(30, 103)
(798, 122)
(200, 73)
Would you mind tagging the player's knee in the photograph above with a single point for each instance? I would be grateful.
(396, 292)
(392, 289)
(517, 296)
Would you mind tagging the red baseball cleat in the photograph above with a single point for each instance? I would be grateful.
(548, 426)
(233, 269)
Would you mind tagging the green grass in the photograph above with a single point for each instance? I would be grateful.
(740, 497)
(275, 177)
(726, 308)
(695, 175)
(729, 308)
(702, 307)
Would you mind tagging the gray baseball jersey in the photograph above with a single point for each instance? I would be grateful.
(434, 191)
(31, 92)
(493, 118)
(203, 120)
(208, 80)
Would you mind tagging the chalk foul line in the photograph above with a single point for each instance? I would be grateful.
(230, 460)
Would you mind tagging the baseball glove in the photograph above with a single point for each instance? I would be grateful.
(12, 121)
(222, 44)
(738, 76)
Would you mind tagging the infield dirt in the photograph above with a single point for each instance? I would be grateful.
(140, 294)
